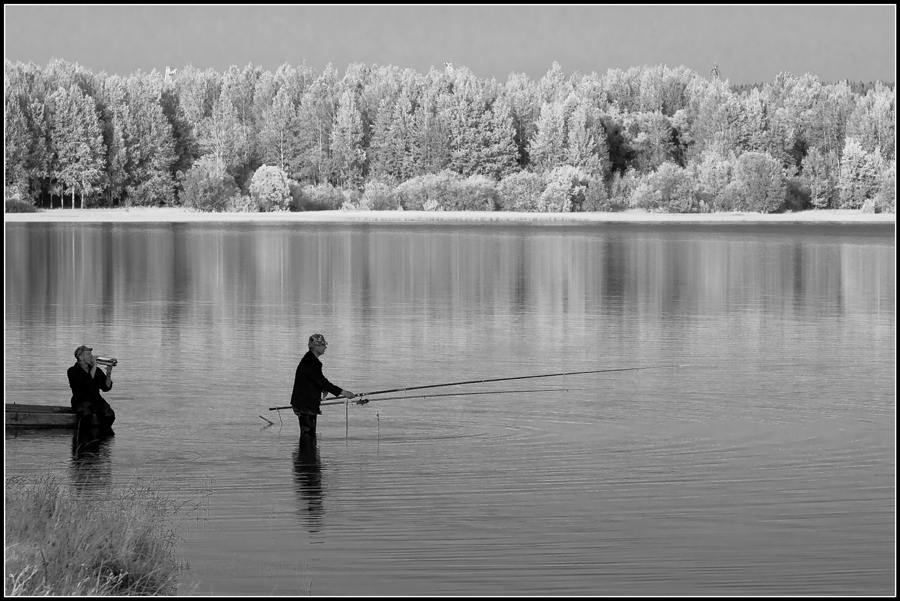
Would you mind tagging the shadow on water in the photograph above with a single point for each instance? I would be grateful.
(308, 474)
(91, 449)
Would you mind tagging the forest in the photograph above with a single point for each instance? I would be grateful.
(387, 138)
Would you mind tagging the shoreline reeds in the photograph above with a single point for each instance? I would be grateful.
(117, 540)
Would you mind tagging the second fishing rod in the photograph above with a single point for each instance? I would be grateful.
(360, 398)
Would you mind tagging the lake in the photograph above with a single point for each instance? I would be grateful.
(753, 453)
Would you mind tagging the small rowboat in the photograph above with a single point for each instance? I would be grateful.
(41, 416)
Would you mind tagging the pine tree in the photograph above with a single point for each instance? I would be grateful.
(391, 151)
(548, 147)
(430, 123)
(873, 123)
(498, 155)
(466, 118)
(858, 179)
(818, 177)
(316, 116)
(523, 98)
(150, 147)
(222, 135)
(586, 141)
(238, 87)
(16, 145)
(553, 86)
(761, 182)
(77, 142)
(197, 93)
(650, 136)
(348, 156)
(714, 174)
(116, 114)
(278, 137)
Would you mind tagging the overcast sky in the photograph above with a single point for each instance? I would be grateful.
(749, 43)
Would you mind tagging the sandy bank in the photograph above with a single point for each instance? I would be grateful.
(178, 215)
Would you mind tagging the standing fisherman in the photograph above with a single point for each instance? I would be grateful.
(309, 383)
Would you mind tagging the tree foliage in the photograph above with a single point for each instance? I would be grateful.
(565, 191)
(208, 186)
(76, 143)
(269, 189)
(758, 184)
(520, 191)
(858, 180)
(819, 176)
(133, 140)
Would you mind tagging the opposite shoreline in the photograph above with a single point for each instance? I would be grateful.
(183, 215)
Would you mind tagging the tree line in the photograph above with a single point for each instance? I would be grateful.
(382, 137)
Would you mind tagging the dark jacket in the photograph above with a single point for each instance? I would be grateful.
(309, 384)
(85, 389)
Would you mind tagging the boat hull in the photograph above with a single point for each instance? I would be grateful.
(19, 416)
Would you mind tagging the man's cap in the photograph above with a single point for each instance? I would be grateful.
(80, 350)
(317, 339)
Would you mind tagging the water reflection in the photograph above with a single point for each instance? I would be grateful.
(90, 466)
(706, 474)
(308, 476)
(222, 270)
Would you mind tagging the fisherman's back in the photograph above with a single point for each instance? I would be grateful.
(309, 382)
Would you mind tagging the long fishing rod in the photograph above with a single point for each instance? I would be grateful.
(360, 401)
(567, 373)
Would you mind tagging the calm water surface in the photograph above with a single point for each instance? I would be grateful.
(764, 465)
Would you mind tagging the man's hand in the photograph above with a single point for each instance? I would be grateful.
(347, 394)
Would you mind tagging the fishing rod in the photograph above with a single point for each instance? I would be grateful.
(339, 401)
(567, 373)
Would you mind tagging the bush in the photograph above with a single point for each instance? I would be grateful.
(797, 197)
(565, 191)
(475, 193)
(644, 196)
(596, 197)
(731, 198)
(269, 189)
(206, 187)
(868, 206)
(240, 203)
(674, 187)
(520, 191)
(157, 190)
(17, 206)
(429, 192)
(621, 188)
(379, 195)
(323, 197)
(16, 190)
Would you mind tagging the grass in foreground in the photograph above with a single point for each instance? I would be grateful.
(118, 541)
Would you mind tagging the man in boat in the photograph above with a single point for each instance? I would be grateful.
(86, 382)
(309, 384)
